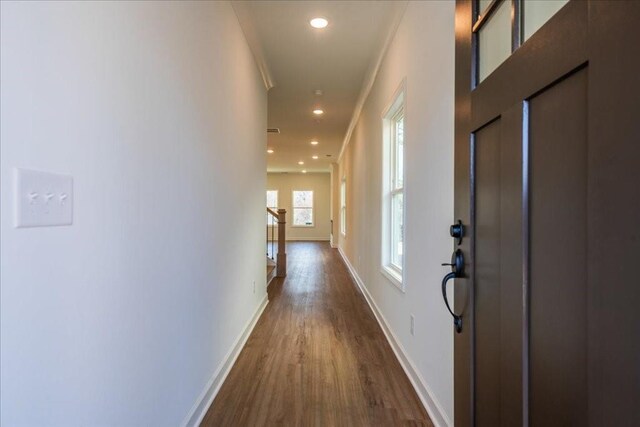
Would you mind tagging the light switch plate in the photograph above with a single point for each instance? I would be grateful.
(43, 199)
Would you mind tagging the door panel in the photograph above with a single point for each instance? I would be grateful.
(547, 170)
(487, 276)
(511, 253)
(498, 272)
(614, 214)
(558, 245)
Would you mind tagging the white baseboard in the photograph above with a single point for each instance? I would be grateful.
(303, 239)
(307, 239)
(204, 401)
(431, 404)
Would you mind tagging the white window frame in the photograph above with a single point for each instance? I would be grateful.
(277, 196)
(271, 221)
(390, 188)
(343, 206)
(293, 209)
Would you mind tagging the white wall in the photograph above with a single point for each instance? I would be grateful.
(422, 51)
(158, 112)
(320, 183)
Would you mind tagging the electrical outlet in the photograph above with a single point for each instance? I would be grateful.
(412, 323)
(254, 286)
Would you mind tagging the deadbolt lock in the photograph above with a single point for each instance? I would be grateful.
(457, 231)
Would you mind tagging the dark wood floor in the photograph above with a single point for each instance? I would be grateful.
(316, 357)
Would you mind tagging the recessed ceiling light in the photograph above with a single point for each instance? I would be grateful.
(314, 142)
(301, 162)
(315, 157)
(318, 111)
(304, 171)
(270, 151)
(319, 22)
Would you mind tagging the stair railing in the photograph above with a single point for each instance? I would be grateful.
(277, 219)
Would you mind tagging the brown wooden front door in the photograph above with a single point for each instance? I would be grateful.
(547, 184)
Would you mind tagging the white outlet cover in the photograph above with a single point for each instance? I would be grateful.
(42, 199)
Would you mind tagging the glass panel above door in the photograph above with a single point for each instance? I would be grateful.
(536, 13)
(494, 40)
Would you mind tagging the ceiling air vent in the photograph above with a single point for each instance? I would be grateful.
(273, 130)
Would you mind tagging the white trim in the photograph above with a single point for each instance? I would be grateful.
(204, 401)
(312, 207)
(371, 75)
(308, 239)
(395, 103)
(393, 276)
(243, 15)
(434, 408)
(396, 106)
(304, 239)
(343, 206)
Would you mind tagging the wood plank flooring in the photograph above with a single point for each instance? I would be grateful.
(317, 356)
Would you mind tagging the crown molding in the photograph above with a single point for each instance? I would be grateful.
(242, 14)
(372, 73)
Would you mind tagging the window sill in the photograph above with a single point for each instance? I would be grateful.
(303, 226)
(393, 276)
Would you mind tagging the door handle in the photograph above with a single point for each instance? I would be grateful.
(457, 270)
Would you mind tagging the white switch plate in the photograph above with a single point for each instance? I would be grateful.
(43, 199)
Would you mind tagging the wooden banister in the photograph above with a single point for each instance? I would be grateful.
(281, 260)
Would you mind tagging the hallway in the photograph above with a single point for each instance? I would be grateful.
(317, 356)
(442, 194)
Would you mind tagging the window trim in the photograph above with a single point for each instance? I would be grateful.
(343, 206)
(397, 107)
(277, 199)
(271, 221)
(313, 210)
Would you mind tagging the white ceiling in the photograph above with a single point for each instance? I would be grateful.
(298, 59)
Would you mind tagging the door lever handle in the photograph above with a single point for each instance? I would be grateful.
(457, 320)
(457, 263)
(457, 270)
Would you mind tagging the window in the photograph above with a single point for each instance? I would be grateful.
(343, 206)
(272, 203)
(303, 208)
(393, 187)
(501, 26)
(272, 199)
(537, 13)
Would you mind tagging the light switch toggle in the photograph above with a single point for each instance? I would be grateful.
(42, 199)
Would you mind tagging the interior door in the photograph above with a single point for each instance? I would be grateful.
(547, 186)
